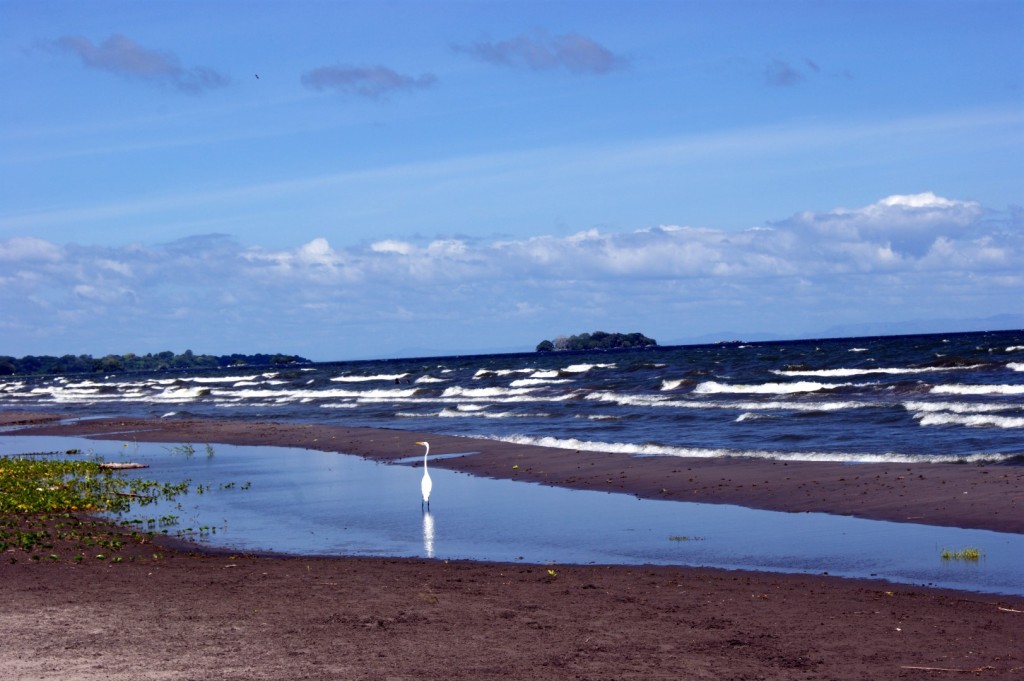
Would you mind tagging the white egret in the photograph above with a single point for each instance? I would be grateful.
(425, 484)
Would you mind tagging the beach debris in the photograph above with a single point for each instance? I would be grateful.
(122, 466)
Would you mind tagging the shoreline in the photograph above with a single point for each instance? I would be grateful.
(976, 496)
(169, 611)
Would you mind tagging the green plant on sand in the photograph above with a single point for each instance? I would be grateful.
(40, 501)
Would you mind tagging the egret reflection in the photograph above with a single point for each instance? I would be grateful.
(428, 534)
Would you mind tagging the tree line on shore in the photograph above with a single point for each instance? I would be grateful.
(161, 361)
(599, 340)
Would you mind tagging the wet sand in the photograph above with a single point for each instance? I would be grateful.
(172, 612)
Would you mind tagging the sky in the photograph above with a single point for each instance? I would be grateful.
(356, 180)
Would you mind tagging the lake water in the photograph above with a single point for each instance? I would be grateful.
(307, 502)
(950, 397)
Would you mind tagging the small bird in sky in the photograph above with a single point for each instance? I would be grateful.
(257, 76)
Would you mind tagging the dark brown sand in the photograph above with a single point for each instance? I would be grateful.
(175, 613)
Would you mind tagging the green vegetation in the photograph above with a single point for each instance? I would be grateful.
(970, 553)
(40, 499)
(599, 340)
(86, 364)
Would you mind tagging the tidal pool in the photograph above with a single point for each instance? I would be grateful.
(299, 501)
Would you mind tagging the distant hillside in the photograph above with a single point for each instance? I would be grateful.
(599, 340)
(86, 364)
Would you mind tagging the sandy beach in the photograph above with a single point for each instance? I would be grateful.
(173, 612)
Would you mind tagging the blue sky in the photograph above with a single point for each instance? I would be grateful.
(371, 179)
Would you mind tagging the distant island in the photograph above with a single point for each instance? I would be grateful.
(86, 364)
(599, 340)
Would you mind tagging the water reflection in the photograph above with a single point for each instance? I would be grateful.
(428, 534)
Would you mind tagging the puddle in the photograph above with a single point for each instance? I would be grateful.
(308, 502)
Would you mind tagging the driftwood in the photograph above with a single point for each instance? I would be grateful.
(133, 495)
(122, 466)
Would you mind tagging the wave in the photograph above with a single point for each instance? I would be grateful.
(1015, 348)
(844, 373)
(378, 377)
(1016, 366)
(431, 379)
(751, 416)
(672, 384)
(630, 400)
(961, 389)
(714, 387)
(583, 368)
(489, 373)
(224, 379)
(972, 420)
(522, 382)
(460, 413)
(957, 407)
(645, 450)
(773, 405)
(456, 391)
(293, 395)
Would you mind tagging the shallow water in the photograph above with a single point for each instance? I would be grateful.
(309, 502)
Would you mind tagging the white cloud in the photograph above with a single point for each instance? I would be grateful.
(908, 223)
(812, 264)
(389, 246)
(28, 248)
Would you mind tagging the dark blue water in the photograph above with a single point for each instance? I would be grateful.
(953, 397)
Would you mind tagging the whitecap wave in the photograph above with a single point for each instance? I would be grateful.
(629, 400)
(971, 420)
(460, 413)
(525, 382)
(958, 407)
(217, 379)
(961, 389)
(713, 387)
(845, 373)
(378, 377)
(706, 453)
(488, 373)
(1015, 366)
(751, 416)
(456, 391)
(583, 368)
